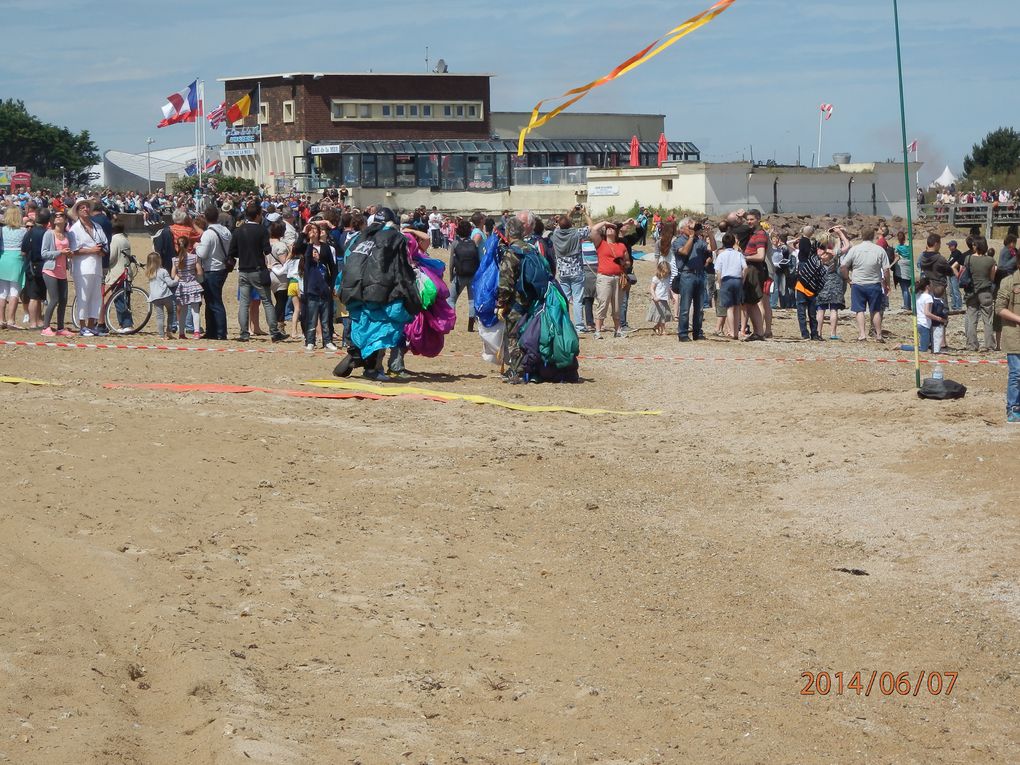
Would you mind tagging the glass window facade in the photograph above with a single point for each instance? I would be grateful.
(427, 166)
(480, 165)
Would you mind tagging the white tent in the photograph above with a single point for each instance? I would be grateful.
(945, 180)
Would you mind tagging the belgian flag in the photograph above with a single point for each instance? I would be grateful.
(242, 108)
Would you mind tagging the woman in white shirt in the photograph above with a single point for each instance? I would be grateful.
(88, 244)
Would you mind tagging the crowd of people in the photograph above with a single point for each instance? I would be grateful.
(306, 265)
(946, 197)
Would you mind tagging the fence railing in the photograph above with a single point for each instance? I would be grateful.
(966, 215)
(550, 176)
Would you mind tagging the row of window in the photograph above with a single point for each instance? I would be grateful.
(347, 110)
(446, 171)
(355, 111)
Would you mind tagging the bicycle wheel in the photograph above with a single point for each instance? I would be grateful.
(72, 314)
(128, 310)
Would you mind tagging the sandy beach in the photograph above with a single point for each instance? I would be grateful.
(254, 578)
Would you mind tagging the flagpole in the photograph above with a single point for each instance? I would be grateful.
(906, 186)
(818, 156)
(198, 94)
(200, 151)
(258, 122)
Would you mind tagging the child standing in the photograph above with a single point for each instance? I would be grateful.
(187, 270)
(926, 316)
(161, 293)
(939, 308)
(659, 312)
(730, 269)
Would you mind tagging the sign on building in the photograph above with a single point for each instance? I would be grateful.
(603, 190)
(246, 152)
(329, 148)
(244, 134)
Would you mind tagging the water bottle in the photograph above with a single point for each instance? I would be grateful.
(937, 374)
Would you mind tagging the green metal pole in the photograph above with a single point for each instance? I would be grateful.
(906, 187)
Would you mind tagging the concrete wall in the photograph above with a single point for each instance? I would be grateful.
(716, 188)
(580, 126)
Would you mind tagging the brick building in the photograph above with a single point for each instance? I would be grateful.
(414, 131)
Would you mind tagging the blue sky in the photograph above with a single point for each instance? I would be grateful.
(752, 78)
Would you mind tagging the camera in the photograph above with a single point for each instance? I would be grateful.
(697, 227)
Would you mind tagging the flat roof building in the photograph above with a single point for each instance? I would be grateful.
(414, 131)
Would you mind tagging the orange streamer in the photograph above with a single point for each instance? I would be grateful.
(650, 51)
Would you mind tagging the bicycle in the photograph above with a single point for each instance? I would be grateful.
(126, 307)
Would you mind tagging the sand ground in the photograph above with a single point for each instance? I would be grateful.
(195, 578)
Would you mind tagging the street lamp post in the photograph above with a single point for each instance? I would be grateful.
(148, 158)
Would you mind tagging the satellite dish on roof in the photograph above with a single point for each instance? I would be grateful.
(441, 67)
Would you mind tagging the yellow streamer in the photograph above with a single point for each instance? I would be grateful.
(650, 51)
(23, 381)
(404, 391)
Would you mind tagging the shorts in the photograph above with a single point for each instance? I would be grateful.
(35, 287)
(831, 306)
(9, 290)
(866, 297)
(752, 287)
(292, 290)
(731, 292)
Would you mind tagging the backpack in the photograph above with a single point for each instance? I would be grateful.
(966, 277)
(486, 282)
(533, 280)
(558, 344)
(466, 259)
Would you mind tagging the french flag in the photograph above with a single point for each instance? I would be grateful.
(181, 106)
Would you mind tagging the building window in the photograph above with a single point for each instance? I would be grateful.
(263, 114)
(351, 170)
(502, 171)
(288, 111)
(368, 177)
(428, 170)
(366, 109)
(387, 176)
(480, 171)
(453, 172)
(405, 170)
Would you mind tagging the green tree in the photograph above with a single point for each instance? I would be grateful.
(37, 147)
(228, 183)
(996, 156)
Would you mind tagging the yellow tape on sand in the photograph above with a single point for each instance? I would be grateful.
(23, 381)
(411, 391)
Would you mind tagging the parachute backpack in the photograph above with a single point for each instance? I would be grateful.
(486, 282)
(559, 344)
(533, 281)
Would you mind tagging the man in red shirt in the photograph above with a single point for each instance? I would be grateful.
(755, 294)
